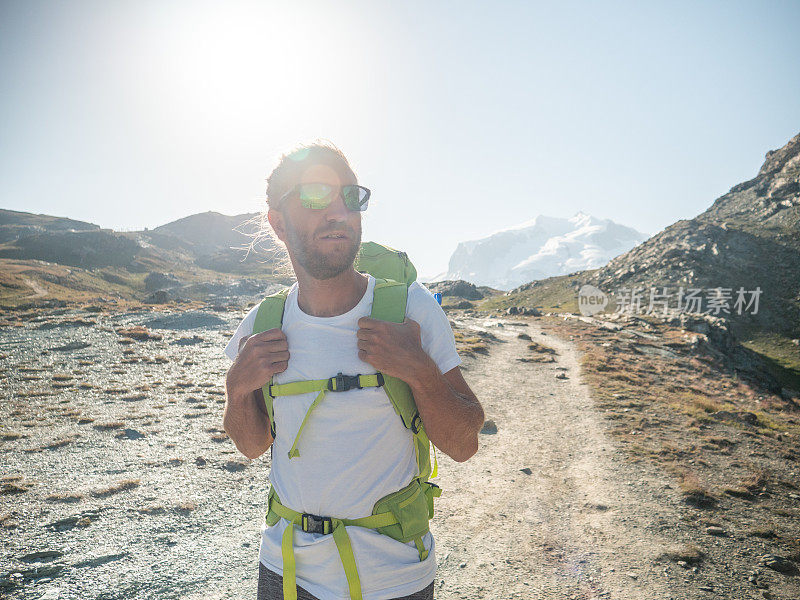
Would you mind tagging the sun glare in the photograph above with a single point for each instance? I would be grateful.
(222, 61)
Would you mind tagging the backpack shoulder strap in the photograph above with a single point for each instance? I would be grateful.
(270, 311)
(389, 300)
(270, 316)
(389, 304)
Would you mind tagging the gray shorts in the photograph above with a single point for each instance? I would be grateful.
(270, 587)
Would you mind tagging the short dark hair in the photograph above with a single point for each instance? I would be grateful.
(292, 164)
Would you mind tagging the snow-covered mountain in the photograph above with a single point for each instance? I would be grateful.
(543, 247)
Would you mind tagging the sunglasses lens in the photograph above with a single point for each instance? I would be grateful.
(355, 197)
(315, 195)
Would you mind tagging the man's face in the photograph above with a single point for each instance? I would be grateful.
(323, 241)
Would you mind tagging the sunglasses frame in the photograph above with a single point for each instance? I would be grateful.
(362, 207)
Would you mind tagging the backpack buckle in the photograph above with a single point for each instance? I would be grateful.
(343, 383)
(416, 424)
(314, 524)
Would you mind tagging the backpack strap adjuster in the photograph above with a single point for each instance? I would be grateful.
(416, 424)
(343, 383)
(314, 524)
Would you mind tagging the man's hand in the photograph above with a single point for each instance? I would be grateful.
(392, 348)
(450, 412)
(262, 355)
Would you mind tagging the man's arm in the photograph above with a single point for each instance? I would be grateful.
(450, 411)
(246, 422)
(245, 418)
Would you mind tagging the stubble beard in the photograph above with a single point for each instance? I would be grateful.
(319, 265)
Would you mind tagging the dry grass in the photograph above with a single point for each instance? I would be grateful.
(115, 390)
(138, 333)
(109, 425)
(60, 442)
(749, 487)
(470, 345)
(14, 484)
(688, 553)
(7, 521)
(541, 348)
(119, 486)
(185, 506)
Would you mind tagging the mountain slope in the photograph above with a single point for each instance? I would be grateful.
(15, 224)
(749, 238)
(209, 232)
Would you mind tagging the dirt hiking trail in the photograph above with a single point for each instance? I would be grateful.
(580, 523)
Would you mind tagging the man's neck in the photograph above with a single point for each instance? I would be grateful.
(330, 297)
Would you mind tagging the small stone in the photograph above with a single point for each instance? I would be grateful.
(200, 461)
(130, 434)
(234, 465)
(779, 563)
(561, 375)
(527, 471)
(462, 565)
(632, 575)
(489, 427)
(52, 594)
(715, 531)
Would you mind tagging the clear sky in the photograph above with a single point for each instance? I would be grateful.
(463, 118)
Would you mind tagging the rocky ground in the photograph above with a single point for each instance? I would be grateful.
(117, 481)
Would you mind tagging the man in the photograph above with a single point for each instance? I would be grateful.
(354, 449)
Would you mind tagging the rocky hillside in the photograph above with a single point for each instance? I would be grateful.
(749, 238)
(736, 265)
(52, 258)
(15, 224)
(205, 234)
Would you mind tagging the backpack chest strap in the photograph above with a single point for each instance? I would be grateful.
(339, 383)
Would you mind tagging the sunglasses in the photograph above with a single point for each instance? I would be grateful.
(320, 195)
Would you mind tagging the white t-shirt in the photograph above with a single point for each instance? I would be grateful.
(354, 450)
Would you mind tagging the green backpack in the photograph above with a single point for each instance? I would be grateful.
(403, 515)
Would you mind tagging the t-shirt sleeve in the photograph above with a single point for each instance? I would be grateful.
(245, 328)
(435, 331)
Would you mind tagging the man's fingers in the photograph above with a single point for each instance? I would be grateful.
(269, 335)
(264, 348)
(368, 323)
(365, 334)
(280, 367)
(243, 340)
(278, 357)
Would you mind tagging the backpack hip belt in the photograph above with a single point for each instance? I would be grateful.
(402, 515)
